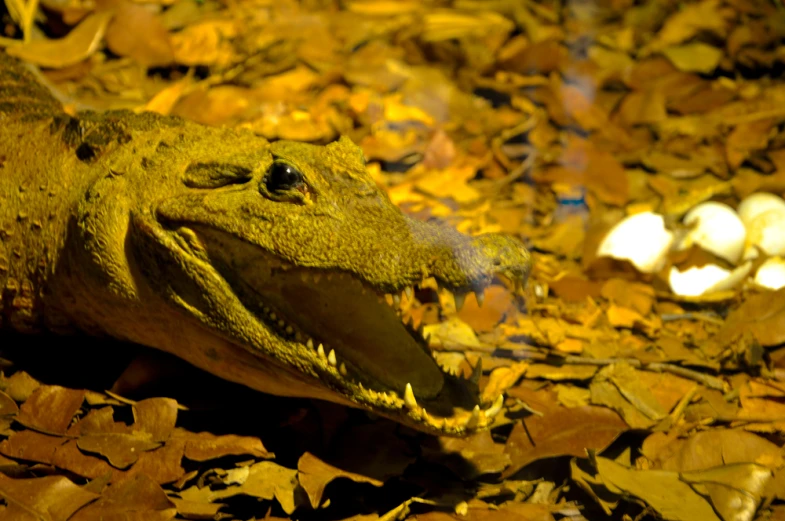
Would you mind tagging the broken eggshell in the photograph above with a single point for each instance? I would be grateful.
(697, 281)
(755, 204)
(641, 239)
(771, 274)
(716, 228)
(766, 232)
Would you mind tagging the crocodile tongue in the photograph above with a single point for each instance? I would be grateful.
(362, 329)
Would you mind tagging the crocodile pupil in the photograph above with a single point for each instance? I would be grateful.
(282, 177)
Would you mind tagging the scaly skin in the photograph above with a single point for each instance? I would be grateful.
(264, 263)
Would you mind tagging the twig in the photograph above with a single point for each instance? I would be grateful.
(709, 381)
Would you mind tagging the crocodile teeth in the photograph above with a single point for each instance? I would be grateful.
(476, 372)
(396, 299)
(409, 293)
(496, 408)
(408, 397)
(460, 298)
(331, 358)
(474, 419)
(309, 343)
(289, 329)
(342, 369)
(320, 351)
(480, 297)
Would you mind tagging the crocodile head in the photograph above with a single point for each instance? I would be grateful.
(281, 266)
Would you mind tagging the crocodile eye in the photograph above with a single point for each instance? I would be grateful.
(282, 177)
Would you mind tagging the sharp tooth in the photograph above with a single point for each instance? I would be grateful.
(396, 300)
(408, 397)
(289, 329)
(281, 323)
(409, 293)
(496, 408)
(342, 369)
(309, 343)
(389, 299)
(474, 419)
(273, 316)
(316, 277)
(331, 358)
(460, 298)
(476, 372)
(304, 276)
(320, 351)
(480, 297)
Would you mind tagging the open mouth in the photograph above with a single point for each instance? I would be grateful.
(351, 333)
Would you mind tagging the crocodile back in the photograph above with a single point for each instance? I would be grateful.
(21, 95)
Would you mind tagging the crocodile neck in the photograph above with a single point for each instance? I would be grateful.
(39, 185)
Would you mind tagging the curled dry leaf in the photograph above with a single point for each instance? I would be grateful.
(78, 45)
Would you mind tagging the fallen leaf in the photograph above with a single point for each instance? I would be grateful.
(50, 409)
(78, 45)
(137, 499)
(53, 498)
(663, 491)
(314, 475)
(562, 432)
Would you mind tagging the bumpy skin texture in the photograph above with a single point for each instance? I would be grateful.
(198, 241)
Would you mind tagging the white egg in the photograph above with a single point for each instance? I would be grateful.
(766, 232)
(716, 228)
(641, 239)
(698, 281)
(757, 203)
(771, 274)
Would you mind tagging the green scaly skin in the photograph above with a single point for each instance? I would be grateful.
(177, 236)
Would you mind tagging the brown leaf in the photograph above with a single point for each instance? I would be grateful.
(68, 457)
(747, 137)
(263, 480)
(762, 315)
(314, 476)
(8, 406)
(498, 301)
(20, 385)
(138, 499)
(122, 450)
(50, 409)
(583, 164)
(80, 44)
(479, 455)
(204, 446)
(618, 386)
(137, 33)
(715, 448)
(694, 57)
(163, 465)
(501, 379)
(562, 432)
(155, 416)
(31, 446)
(685, 23)
(51, 498)
(663, 491)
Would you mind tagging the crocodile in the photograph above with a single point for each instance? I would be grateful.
(279, 265)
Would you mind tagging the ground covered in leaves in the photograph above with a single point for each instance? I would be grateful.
(550, 121)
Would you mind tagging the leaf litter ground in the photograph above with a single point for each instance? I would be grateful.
(544, 120)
